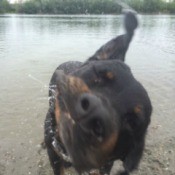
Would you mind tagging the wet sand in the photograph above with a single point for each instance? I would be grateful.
(25, 157)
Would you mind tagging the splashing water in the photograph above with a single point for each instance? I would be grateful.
(125, 6)
(37, 80)
(50, 87)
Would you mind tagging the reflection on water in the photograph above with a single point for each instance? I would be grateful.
(35, 45)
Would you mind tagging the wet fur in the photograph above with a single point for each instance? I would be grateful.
(133, 121)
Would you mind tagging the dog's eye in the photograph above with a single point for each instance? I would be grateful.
(103, 75)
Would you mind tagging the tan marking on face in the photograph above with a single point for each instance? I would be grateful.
(101, 153)
(57, 111)
(108, 146)
(110, 75)
(138, 109)
(77, 85)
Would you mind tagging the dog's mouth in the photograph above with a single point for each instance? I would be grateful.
(86, 123)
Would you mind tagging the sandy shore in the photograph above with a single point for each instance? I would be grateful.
(20, 149)
(157, 159)
(26, 158)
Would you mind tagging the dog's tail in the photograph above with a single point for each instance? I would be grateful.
(130, 24)
(118, 46)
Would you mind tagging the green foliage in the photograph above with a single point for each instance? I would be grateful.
(152, 6)
(171, 7)
(136, 4)
(86, 6)
(4, 6)
(29, 7)
(69, 7)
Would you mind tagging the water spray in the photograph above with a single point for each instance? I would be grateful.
(51, 87)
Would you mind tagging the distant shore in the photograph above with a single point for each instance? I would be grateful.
(86, 7)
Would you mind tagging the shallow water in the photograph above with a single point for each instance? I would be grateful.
(31, 47)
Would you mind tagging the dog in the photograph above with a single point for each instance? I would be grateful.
(98, 112)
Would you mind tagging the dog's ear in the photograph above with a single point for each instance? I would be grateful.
(117, 47)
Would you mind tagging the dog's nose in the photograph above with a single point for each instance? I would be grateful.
(87, 105)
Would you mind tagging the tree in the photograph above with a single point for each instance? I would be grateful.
(4, 6)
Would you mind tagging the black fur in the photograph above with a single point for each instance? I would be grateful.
(117, 47)
(116, 96)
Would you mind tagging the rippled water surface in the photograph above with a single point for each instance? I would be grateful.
(31, 47)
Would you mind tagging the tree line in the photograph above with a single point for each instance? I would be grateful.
(85, 6)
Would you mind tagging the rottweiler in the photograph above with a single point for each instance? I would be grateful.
(98, 112)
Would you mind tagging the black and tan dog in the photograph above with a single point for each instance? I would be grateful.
(98, 111)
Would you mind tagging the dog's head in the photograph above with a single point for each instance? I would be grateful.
(89, 123)
(94, 103)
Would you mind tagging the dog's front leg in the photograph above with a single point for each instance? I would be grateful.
(56, 162)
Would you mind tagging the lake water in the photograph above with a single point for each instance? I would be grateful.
(32, 46)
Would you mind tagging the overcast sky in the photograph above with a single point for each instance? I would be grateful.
(11, 1)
